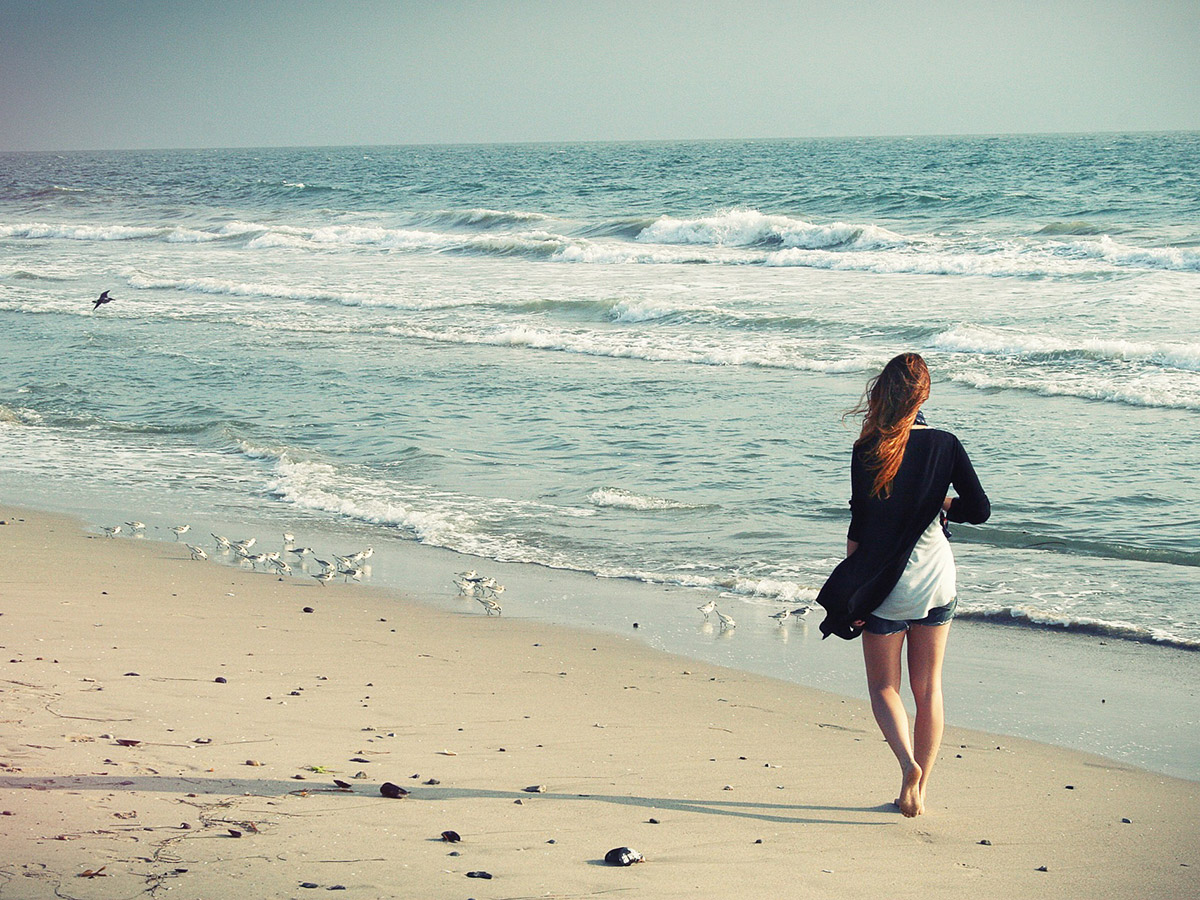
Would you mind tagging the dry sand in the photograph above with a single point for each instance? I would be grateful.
(122, 755)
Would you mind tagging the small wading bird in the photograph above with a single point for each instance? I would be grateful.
(197, 552)
(180, 530)
(323, 578)
(707, 608)
(223, 543)
(726, 621)
(101, 300)
(111, 530)
(781, 616)
(136, 526)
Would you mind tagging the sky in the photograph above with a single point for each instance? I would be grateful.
(91, 74)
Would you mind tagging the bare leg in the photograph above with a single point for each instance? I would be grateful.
(882, 655)
(926, 650)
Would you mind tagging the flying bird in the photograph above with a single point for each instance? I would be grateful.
(101, 300)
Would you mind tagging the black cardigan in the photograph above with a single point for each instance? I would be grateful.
(887, 529)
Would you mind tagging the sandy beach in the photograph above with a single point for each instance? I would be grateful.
(175, 724)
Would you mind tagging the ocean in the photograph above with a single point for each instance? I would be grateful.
(627, 361)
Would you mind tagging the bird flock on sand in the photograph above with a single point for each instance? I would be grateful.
(352, 567)
(284, 561)
(482, 588)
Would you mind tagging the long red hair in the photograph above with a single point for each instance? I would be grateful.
(889, 406)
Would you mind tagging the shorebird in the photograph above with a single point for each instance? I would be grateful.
(707, 607)
(111, 530)
(781, 616)
(101, 300)
(280, 566)
(254, 560)
(180, 530)
(803, 611)
(197, 552)
(302, 551)
(136, 526)
(726, 621)
(363, 554)
(223, 543)
(490, 605)
(351, 572)
(289, 538)
(243, 545)
(323, 578)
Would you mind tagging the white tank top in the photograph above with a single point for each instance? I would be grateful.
(929, 579)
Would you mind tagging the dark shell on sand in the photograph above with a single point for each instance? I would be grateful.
(623, 856)
(393, 791)
(451, 837)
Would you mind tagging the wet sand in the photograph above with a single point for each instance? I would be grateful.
(122, 755)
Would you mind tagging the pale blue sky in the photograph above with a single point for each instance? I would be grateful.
(76, 74)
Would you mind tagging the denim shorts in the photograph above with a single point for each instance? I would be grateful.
(939, 616)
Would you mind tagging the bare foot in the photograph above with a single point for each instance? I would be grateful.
(909, 800)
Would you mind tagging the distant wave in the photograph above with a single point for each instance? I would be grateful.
(620, 498)
(993, 342)
(479, 218)
(1079, 625)
(743, 237)
(1078, 227)
(622, 347)
(1025, 540)
(750, 228)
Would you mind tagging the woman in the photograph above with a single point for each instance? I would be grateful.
(897, 582)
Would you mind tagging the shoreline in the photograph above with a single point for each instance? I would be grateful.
(121, 641)
(1088, 693)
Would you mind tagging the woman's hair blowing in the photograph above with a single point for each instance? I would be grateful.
(889, 407)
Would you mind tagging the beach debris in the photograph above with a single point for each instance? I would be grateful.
(1042, 869)
(94, 873)
(220, 679)
(233, 832)
(320, 770)
(359, 759)
(985, 843)
(451, 837)
(127, 742)
(431, 781)
(1070, 787)
(344, 785)
(253, 762)
(479, 874)
(96, 304)
(535, 789)
(623, 856)
(447, 753)
(1126, 821)
(652, 822)
(308, 609)
(309, 884)
(392, 791)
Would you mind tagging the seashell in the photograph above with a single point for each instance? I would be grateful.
(535, 789)
(623, 856)
(451, 837)
(392, 791)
